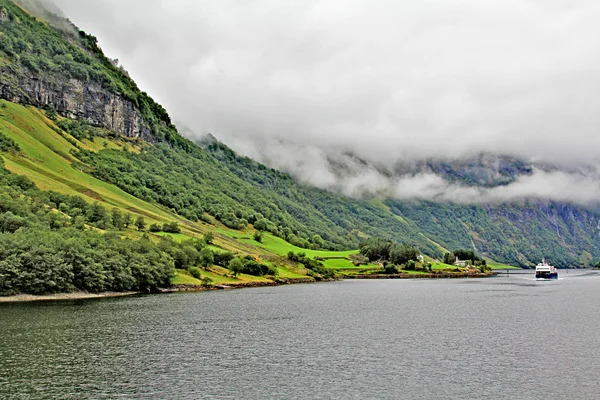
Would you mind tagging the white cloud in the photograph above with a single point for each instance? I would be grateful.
(384, 80)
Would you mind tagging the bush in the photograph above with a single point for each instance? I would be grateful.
(195, 272)
(222, 258)
(207, 281)
(390, 269)
(170, 227)
(8, 144)
(155, 228)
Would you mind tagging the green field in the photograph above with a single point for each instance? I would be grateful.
(178, 237)
(441, 266)
(281, 247)
(47, 160)
(501, 266)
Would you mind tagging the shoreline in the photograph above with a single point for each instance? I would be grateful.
(241, 285)
(442, 275)
(62, 296)
(17, 298)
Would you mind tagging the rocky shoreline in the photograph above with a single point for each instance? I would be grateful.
(172, 289)
(62, 296)
(240, 285)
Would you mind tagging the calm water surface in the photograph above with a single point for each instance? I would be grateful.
(501, 338)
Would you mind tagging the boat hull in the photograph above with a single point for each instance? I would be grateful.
(546, 276)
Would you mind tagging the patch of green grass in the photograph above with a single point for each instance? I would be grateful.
(281, 247)
(442, 266)
(413, 272)
(494, 265)
(286, 273)
(177, 237)
(339, 263)
(379, 204)
(183, 277)
(47, 160)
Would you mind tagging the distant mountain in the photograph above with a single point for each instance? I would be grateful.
(63, 71)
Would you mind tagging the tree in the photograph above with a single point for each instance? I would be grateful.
(236, 266)
(258, 236)
(207, 258)
(401, 254)
(155, 228)
(390, 269)
(261, 224)
(10, 222)
(171, 227)
(195, 272)
(376, 249)
(317, 240)
(96, 213)
(140, 223)
(127, 220)
(117, 218)
(449, 258)
(208, 237)
(51, 112)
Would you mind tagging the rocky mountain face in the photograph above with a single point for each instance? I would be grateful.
(46, 61)
(73, 98)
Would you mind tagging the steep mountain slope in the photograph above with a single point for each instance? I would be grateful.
(147, 168)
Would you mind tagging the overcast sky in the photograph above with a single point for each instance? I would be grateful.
(385, 80)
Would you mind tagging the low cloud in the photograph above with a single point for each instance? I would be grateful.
(388, 82)
(353, 177)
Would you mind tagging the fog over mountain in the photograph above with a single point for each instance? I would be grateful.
(339, 93)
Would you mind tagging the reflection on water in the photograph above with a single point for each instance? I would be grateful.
(504, 337)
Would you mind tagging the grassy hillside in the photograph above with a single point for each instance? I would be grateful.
(34, 148)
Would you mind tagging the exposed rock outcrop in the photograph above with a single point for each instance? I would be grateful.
(76, 99)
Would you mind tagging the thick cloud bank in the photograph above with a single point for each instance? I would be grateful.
(387, 81)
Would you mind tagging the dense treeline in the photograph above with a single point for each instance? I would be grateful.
(385, 250)
(40, 260)
(47, 244)
(50, 242)
(470, 256)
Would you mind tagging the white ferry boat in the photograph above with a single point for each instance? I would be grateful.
(545, 271)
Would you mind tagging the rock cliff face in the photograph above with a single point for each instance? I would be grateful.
(73, 98)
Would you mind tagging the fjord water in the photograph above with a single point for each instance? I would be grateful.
(371, 339)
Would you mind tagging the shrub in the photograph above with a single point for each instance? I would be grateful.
(155, 228)
(170, 227)
(195, 272)
(390, 269)
(8, 144)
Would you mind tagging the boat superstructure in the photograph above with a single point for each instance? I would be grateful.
(545, 271)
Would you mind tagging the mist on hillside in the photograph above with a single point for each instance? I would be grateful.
(340, 93)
